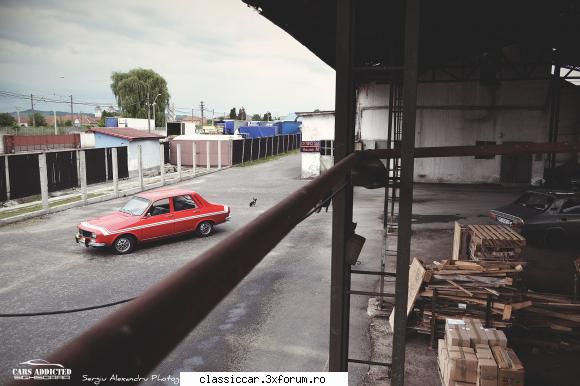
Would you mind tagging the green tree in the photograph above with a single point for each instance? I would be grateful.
(233, 114)
(242, 114)
(68, 123)
(256, 117)
(39, 120)
(267, 116)
(137, 90)
(7, 120)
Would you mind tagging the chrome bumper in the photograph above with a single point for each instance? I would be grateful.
(228, 218)
(87, 242)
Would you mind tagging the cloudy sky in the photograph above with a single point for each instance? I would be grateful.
(219, 51)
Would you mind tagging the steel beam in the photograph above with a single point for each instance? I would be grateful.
(342, 202)
(480, 150)
(412, 15)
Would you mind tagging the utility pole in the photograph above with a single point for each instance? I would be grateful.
(55, 126)
(71, 108)
(192, 116)
(201, 107)
(18, 115)
(32, 107)
(148, 113)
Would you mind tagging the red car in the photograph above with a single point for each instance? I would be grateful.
(151, 216)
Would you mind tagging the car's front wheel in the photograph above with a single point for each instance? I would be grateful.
(124, 244)
(205, 228)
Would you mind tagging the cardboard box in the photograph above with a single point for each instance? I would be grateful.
(462, 365)
(510, 369)
(457, 335)
(487, 372)
(483, 351)
(496, 337)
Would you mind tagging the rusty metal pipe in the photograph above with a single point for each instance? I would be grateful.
(134, 339)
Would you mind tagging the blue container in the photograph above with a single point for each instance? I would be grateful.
(288, 127)
(257, 131)
(111, 122)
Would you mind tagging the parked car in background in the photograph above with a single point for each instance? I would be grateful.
(151, 216)
(551, 216)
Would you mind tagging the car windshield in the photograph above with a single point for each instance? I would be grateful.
(536, 201)
(136, 206)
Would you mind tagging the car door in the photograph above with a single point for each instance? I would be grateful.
(157, 222)
(569, 217)
(186, 211)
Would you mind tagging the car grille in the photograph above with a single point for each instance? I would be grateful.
(85, 233)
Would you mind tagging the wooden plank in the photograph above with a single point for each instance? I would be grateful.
(416, 275)
(454, 284)
(457, 241)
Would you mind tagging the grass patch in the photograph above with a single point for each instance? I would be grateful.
(268, 159)
(37, 207)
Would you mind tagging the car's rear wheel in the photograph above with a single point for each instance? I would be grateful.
(124, 244)
(205, 228)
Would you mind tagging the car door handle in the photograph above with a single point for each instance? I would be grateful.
(169, 215)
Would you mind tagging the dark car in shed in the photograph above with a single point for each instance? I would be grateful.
(548, 216)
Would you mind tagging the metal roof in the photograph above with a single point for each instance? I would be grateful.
(450, 29)
(125, 132)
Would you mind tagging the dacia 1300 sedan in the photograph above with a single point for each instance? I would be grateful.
(151, 216)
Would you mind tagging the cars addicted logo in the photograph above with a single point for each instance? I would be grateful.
(40, 370)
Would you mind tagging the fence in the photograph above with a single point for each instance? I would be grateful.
(251, 149)
(19, 143)
(20, 173)
(100, 164)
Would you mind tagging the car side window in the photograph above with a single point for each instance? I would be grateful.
(571, 206)
(183, 203)
(159, 207)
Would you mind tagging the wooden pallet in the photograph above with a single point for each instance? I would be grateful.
(494, 242)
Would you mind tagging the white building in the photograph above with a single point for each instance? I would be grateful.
(317, 142)
(461, 114)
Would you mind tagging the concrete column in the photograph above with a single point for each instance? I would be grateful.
(219, 143)
(106, 167)
(43, 180)
(7, 176)
(243, 149)
(272, 151)
(179, 161)
(287, 142)
(78, 166)
(259, 147)
(207, 158)
(162, 163)
(266, 152)
(194, 159)
(140, 161)
(115, 165)
(83, 172)
(231, 152)
(252, 150)
(332, 150)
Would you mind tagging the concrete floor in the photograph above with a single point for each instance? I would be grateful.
(435, 208)
(275, 320)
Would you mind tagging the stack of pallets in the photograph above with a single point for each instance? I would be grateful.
(494, 242)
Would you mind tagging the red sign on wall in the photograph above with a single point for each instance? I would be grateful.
(310, 146)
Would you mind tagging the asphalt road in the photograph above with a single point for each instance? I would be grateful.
(275, 320)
